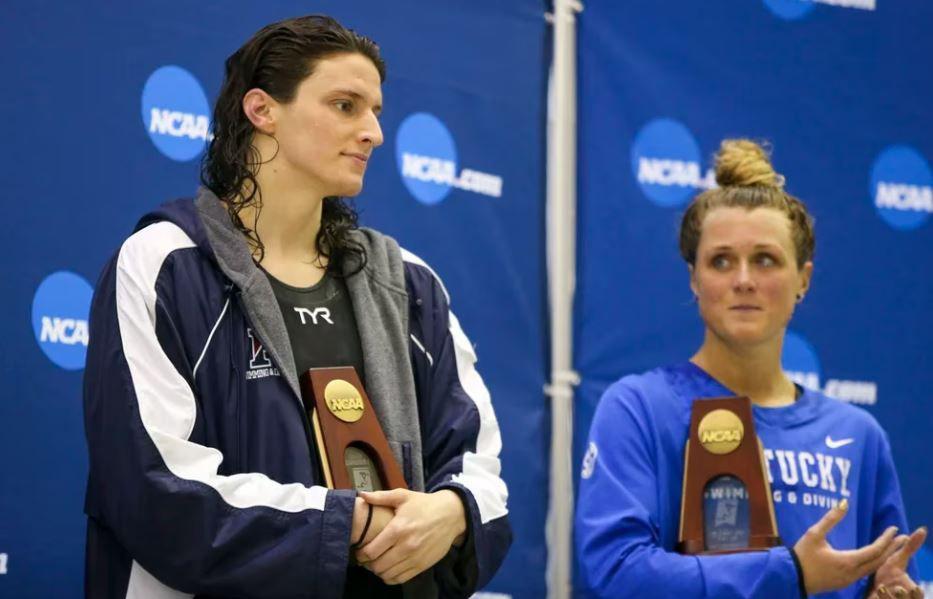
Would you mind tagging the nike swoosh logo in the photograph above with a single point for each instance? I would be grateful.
(837, 444)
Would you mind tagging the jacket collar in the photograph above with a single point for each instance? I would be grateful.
(380, 304)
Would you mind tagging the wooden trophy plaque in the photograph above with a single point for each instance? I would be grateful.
(353, 449)
(726, 505)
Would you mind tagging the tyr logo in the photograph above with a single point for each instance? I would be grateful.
(259, 358)
(323, 313)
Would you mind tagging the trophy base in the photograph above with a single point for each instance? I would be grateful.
(755, 543)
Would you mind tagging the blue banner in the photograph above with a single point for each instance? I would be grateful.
(841, 89)
(108, 109)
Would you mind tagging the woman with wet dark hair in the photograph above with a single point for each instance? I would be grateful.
(748, 246)
(204, 477)
(276, 60)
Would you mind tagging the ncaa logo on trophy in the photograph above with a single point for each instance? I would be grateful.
(60, 310)
(901, 187)
(343, 400)
(427, 160)
(175, 113)
(666, 163)
(720, 432)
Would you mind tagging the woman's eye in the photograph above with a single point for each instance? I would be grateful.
(720, 262)
(766, 260)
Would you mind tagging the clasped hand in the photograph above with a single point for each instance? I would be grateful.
(409, 532)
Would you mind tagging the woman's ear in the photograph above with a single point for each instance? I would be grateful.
(260, 108)
(693, 280)
(806, 272)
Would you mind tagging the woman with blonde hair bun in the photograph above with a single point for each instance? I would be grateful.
(749, 248)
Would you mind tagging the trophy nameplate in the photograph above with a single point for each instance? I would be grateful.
(726, 504)
(352, 446)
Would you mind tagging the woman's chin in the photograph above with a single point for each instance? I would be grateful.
(745, 336)
(349, 189)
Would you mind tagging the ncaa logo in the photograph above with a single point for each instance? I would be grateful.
(902, 187)
(175, 113)
(666, 163)
(796, 9)
(426, 156)
(799, 361)
(790, 9)
(60, 310)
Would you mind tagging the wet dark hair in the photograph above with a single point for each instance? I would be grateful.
(276, 59)
(747, 180)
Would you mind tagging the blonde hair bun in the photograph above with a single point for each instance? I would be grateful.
(743, 162)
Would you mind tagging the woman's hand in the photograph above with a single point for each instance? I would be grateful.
(825, 568)
(891, 579)
(381, 517)
(424, 528)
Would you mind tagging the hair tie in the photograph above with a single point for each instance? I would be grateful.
(369, 519)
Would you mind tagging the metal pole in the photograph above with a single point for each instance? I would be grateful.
(561, 244)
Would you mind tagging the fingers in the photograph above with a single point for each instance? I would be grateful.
(400, 573)
(379, 545)
(392, 558)
(907, 551)
(393, 498)
(830, 519)
(895, 592)
(898, 591)
(899, 542)
(408, 575)
(870, 557)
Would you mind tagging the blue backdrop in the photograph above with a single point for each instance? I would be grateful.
(843, 93)
(84, 159)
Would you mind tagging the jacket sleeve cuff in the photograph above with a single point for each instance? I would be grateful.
(458, 571)
(801, 586)
(334, 553)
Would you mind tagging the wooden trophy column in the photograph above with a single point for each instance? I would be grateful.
(723, 442)
(353, 448)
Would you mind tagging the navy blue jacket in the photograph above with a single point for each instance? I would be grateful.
(202, 477)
